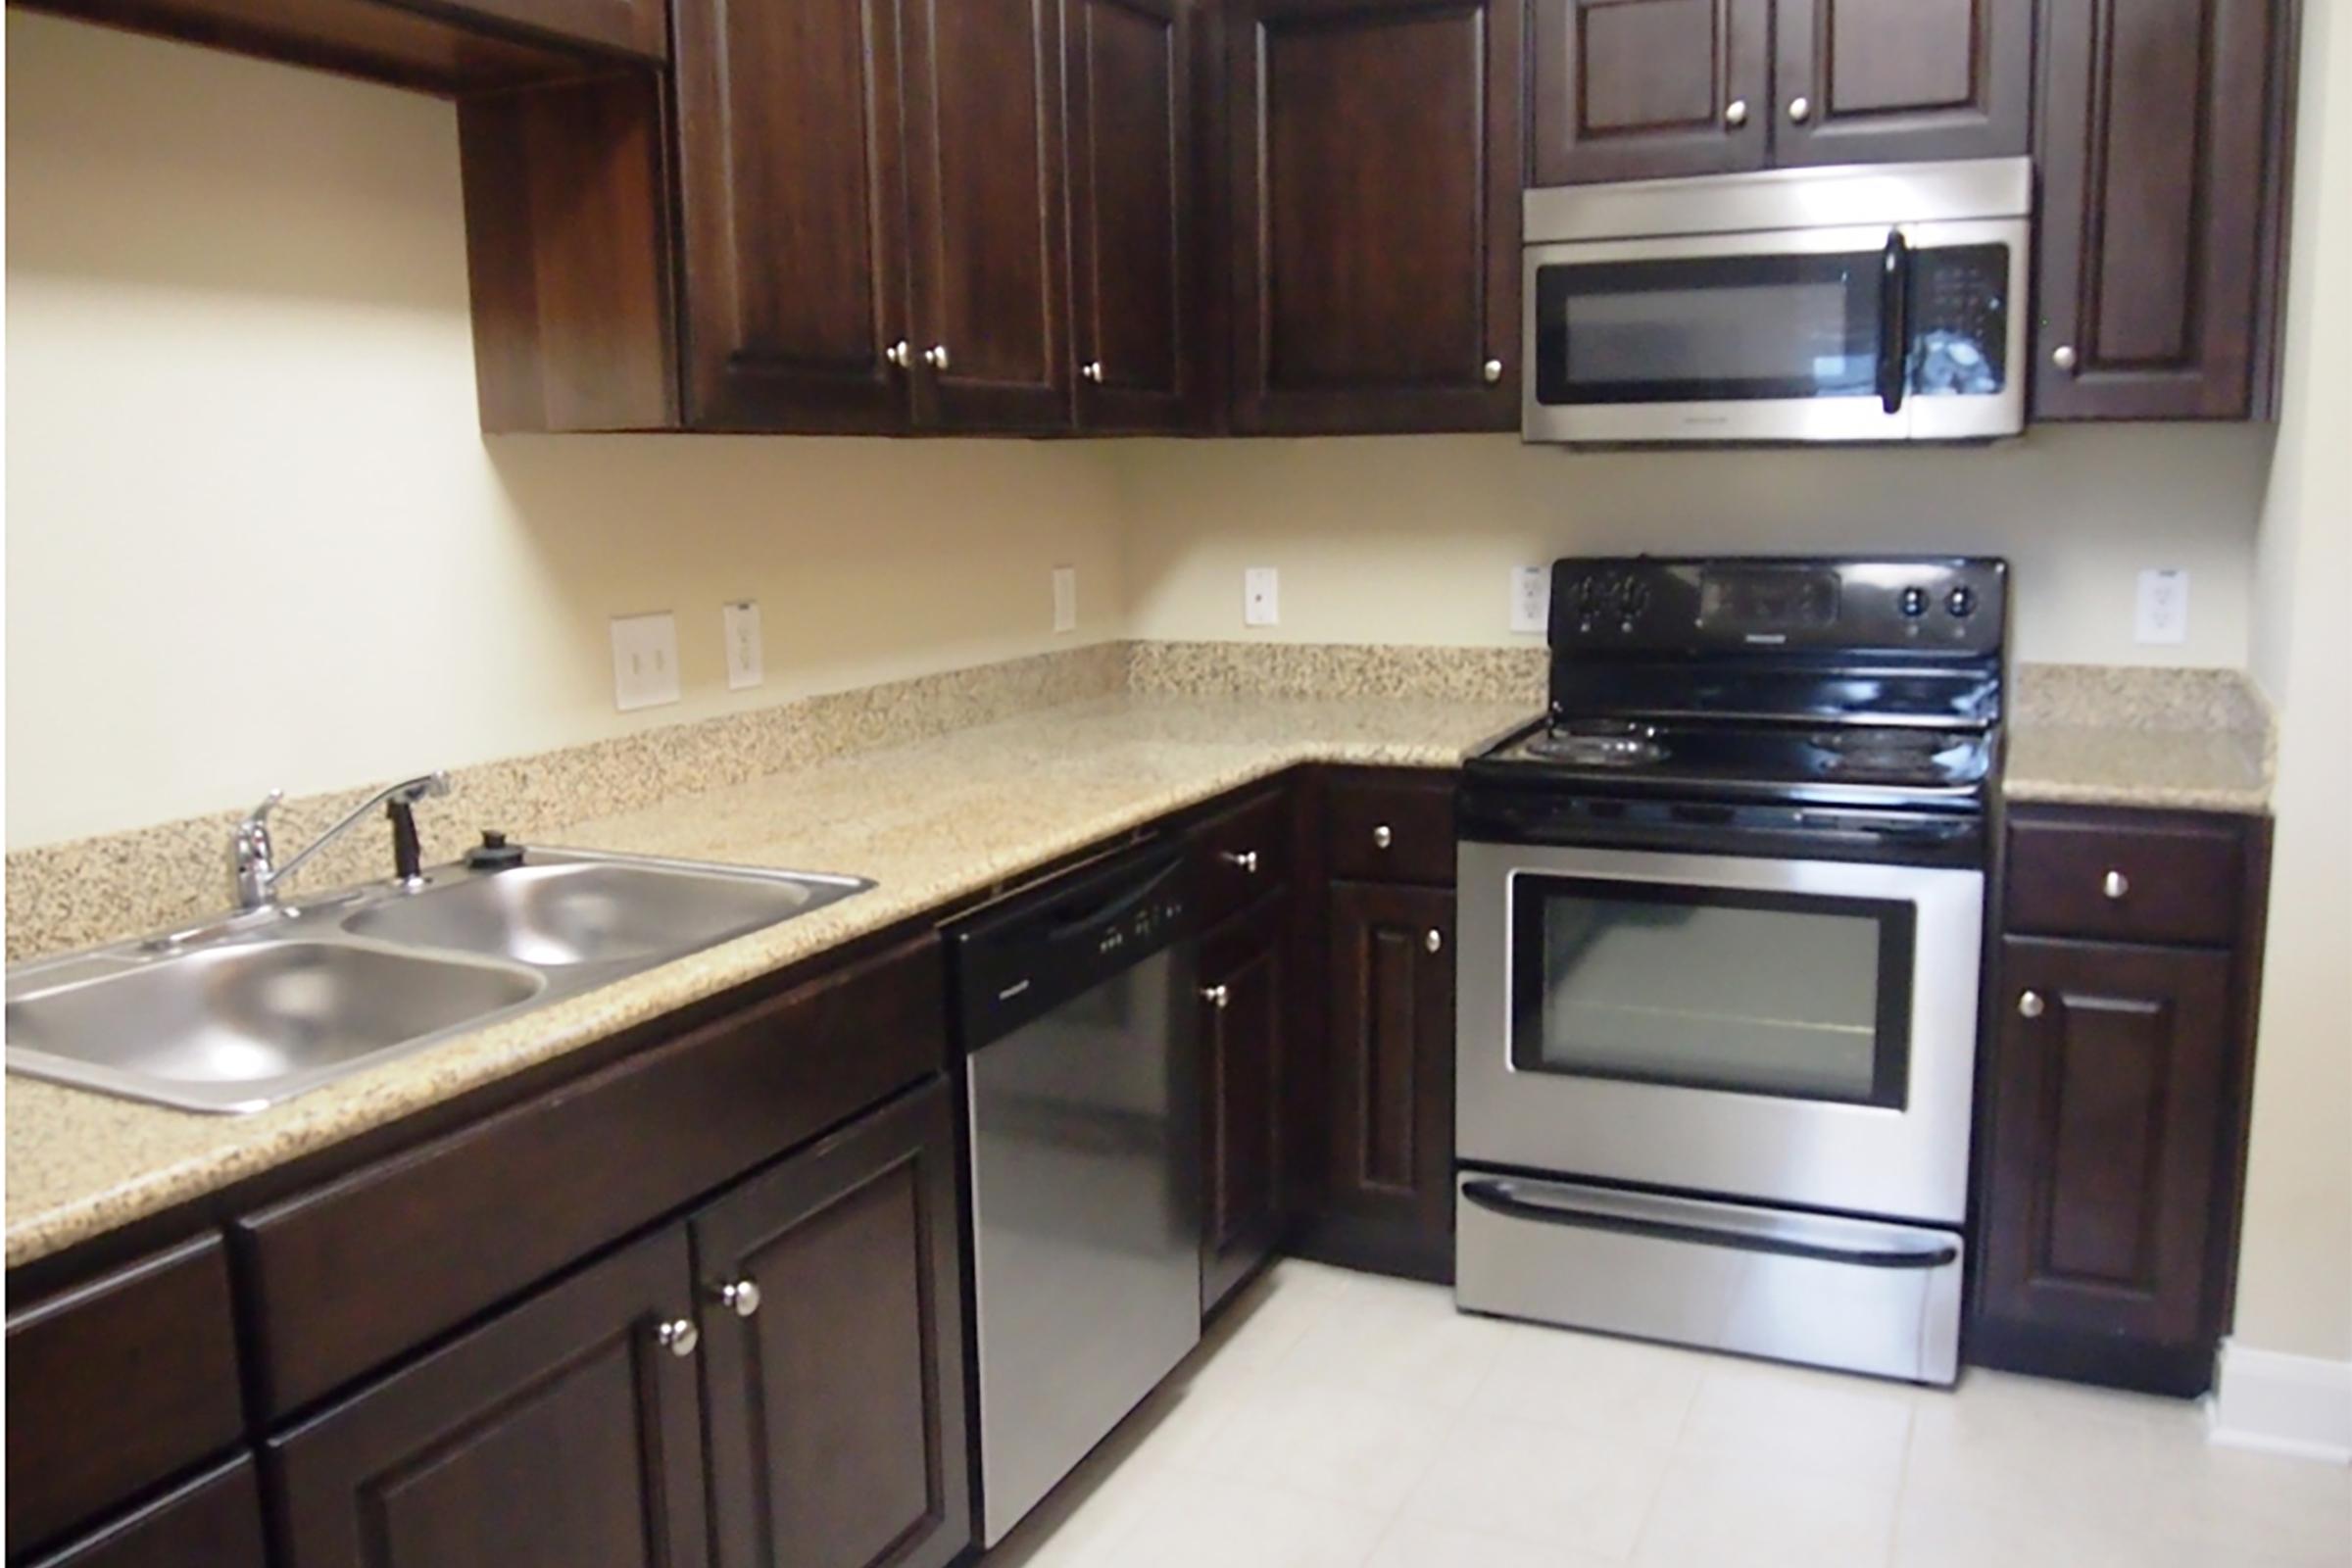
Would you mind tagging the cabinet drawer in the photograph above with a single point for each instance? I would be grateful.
(1241, 853)
(2111, 877)
(1392, 829)
(215, 1521)
(114, 1384)
(349, 1276)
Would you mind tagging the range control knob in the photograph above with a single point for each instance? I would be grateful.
(1633, 598)
(1961, 601)
(1914, 602)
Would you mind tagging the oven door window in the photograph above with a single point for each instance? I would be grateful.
(1790, 995)
(1709, 329)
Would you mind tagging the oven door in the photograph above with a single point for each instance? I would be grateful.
(1912, 331)
(1795, 1032)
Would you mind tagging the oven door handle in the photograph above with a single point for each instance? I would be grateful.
(1497, 1198)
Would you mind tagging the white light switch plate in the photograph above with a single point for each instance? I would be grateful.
(1065, 598)
(2163, 605)
(746, 661)
(644, 661)
(1531, 599)
(1260, 606)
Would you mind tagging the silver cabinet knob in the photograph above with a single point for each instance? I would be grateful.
(2029, 1004)
(1216, 996)
(1091, 369)
(1382, 838)
(1800, 109)
(1735, 112)
(2063, 356)
(2114, 884)
(679, 1336)
(1245, 860)
(739, 1296)
(1434, 940)
(936, 356)
(1492, 370)
(900, 354)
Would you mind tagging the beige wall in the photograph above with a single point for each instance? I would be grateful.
(256, 537)
(1412, 539)
(2296, 1288)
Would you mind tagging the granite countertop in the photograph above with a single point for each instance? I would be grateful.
(928, 823)
(2181, 770)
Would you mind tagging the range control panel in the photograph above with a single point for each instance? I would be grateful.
(1946, 604)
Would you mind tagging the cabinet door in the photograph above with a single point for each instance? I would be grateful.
(836, 1392)
(2157, 181)
(1644, 89)
(1886, 80)
(1376, 251)
(1134, 207)
(2109, 1094)
(789, 173)
(213, 1521)
(560, 1435)
(1391, 1075)
(1245, 997)
(991, 244)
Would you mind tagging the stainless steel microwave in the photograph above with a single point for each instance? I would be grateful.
(1866, 303)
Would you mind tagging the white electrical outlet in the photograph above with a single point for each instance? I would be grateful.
(2163, 605)
(1531, 599)
(746, 661)
(1260, 605)
(644, 661)
(1065, 598)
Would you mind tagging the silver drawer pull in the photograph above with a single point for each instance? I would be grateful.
(1382, 838)
(1434, 941)
(739, 1296)
(2115, 885)
(1216, 996)
(1245, 860)
(2029, 1004)
(679, 1336)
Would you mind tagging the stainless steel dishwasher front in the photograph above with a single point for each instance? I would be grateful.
(1085, 1150)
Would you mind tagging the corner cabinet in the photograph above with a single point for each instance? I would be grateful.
(2161, 149)
(1375, 251)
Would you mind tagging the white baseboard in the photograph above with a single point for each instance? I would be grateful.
(2291, 1404)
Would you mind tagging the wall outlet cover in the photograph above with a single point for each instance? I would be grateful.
(1260, 601)
(1530, 600)
(2163, 615)
(747, 661)
(644, 661)
(1065, 598)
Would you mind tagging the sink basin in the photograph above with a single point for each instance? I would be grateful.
(587, 913)
(233, 1027)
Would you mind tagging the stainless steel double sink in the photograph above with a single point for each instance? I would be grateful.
(257, 1007)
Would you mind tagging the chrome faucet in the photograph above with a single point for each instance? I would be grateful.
(254, 872)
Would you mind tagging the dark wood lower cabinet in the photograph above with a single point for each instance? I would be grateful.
(1390, 1074)
(836, 1394)
(213, 1521)
(1246, 1000)
(564, 1434)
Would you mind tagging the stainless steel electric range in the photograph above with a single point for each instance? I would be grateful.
(1721, 926)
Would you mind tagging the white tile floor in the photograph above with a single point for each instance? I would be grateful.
(1336, 1420)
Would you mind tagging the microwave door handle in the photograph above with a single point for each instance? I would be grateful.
(1895, 320)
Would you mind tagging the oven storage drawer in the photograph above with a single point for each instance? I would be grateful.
(1859, 1295)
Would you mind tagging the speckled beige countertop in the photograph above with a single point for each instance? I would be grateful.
(2104, 735)
(928, 823)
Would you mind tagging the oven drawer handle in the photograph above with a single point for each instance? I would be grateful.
(1496, 1199)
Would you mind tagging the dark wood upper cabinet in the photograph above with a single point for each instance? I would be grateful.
(1391, 1076)
(2109, 1081)
(1648, 90)
(983, 107)
(1135, 214)
(562, 1435)
(1374, 189)
(794, 196)
(1246, 1000)
(2161, 189)
(836, 1395)
(1887, 80)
